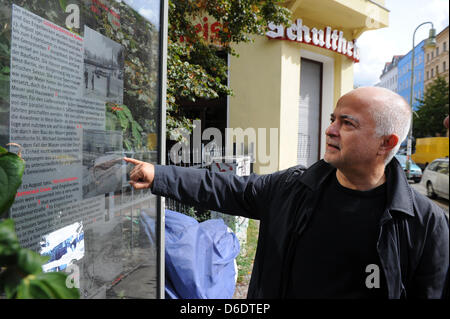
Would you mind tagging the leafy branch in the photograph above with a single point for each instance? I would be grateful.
(195, 71)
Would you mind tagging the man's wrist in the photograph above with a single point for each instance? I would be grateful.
(154, 182)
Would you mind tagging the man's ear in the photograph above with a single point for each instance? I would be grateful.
(388, 143)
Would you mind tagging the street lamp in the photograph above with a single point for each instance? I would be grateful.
(430, 43)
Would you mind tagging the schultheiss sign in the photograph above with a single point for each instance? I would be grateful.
(327, 38)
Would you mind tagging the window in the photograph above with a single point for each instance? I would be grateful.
(437, 51)
(437, 70)
(444, 66)
(444, 46)
(432, 72)
(433, 166)
(428, 74)
(442, 168)
(428, 57)
(432, 54)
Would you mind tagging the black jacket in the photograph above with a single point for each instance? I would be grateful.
(413, 243)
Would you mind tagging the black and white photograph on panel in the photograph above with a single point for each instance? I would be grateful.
(103, 67)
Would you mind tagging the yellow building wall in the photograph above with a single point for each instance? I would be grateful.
(440, 61)
(290, 92)
(255, 77)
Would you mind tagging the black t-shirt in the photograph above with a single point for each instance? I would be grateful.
(339, 243)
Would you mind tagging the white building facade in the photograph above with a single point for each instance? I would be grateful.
(389, 76)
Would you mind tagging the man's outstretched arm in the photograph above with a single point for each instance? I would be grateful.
(245, 196)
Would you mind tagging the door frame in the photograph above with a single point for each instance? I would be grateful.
(327, 97)
(320, 99)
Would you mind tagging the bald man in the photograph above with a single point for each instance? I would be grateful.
(350, 226)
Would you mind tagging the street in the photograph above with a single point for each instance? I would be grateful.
(97, 86)
(442, 202)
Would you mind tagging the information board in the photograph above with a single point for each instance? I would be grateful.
(80, 88)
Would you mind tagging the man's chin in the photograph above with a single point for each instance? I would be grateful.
(330, 160)
(327, 158)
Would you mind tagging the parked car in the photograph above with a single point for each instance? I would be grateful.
(416, 172)
(435, 178)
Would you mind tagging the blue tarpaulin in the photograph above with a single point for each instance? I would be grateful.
(200, 258)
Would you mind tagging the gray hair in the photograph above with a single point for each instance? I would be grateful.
(392, 116)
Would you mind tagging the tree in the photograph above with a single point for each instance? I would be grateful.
(433, 109)
(194, 69)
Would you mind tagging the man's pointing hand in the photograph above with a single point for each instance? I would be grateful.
(142, 174)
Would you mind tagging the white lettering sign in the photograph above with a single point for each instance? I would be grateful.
(329, 39)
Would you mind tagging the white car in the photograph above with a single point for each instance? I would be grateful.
(435, 178)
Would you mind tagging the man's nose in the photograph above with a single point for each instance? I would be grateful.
(332, 130)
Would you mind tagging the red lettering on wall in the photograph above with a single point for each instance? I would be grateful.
(209, 32)
(57, 28)
(69, 179)
(95, 9)
(105, 7)
(34, 191)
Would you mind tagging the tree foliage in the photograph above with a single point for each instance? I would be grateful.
(433, 109)
(194, 69)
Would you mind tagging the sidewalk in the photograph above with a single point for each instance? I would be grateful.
(441, 202)
(247, 265)
(242, 288)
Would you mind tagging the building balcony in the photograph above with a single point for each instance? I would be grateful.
(355, 15)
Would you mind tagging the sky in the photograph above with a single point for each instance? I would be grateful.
(147, 8)
(378, 46)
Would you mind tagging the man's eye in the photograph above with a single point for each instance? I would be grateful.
(348, 123)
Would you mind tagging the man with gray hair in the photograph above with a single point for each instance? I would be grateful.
(350, 226)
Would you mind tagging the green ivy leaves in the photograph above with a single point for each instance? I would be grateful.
(11, 171)
(132, 130)
(21, 274)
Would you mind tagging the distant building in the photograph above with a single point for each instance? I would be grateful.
(389, 77)
(436, 62)
(404, 75)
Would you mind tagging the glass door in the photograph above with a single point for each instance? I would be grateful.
(309, 113)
